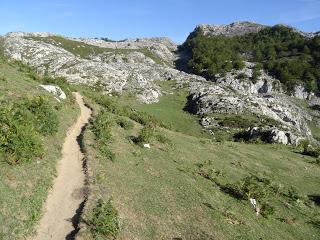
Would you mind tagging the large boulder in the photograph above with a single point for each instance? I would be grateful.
(271, 135)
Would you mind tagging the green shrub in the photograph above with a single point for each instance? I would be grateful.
(256, 73)
(44, 117)
(101, 127)
(124, 123)
(256, 187)
(266, 210)
(143, 118)
(3, 79)
(146, 134)
(309, 150)
(19, 140)
(103, 221)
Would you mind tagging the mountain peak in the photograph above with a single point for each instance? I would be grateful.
(233, 29)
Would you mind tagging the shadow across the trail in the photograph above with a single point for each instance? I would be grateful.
(76, 219)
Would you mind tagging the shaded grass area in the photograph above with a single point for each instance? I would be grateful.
(24, 187)
(177, 190)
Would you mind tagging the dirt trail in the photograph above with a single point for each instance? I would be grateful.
(67, 194)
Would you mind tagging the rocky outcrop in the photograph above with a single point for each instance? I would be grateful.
(209, 98)
(55, 90)
(301, 93)
(230, 30)
(241, 81)
(271, 135)
(163, 48)
(114, 70)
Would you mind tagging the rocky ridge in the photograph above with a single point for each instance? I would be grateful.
(114, 70)
(136, 71)
(230, 30)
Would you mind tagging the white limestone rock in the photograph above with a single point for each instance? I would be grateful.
(55, 90)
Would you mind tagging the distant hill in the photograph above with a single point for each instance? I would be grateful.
(285, 53)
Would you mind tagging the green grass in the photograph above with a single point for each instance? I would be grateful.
(314, 130)
(243, 121)
(165, 192)
(160, 195)
(170, 111)
(24, 187)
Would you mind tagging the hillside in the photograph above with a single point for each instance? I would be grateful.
(33, 124)
(169, 153)
(285, 53)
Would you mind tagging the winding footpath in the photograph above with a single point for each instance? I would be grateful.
(68, 192)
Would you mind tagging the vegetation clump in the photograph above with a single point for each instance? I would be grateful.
(124, 123)
(253, 187)
(44, 117)
(103, 221)
(310, 150)
(101, 127)
(21, 126)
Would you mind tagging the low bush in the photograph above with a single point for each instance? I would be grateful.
(242, 76)
(103, 221)
(124, 123)
(256, 187)
(309, 150)
(107, 153)
(146, 134)
(44, 117)
(3, 79)
(19, 140)
(101, 127)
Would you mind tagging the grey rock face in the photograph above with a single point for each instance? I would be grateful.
(265, 84)
(115, 71)
(209, 98)
(233, 29)
(301, 93)
(273, 135)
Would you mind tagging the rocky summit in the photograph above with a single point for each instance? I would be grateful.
(138, 65)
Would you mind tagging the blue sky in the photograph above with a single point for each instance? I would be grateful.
(118, 19)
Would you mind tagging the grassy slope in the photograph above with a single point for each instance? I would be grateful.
(23, 188)
(160, 195)
(169, 110)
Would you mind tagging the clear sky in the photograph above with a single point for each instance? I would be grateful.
(119, 19)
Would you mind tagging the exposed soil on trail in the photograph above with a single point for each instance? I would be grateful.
(66, 199)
